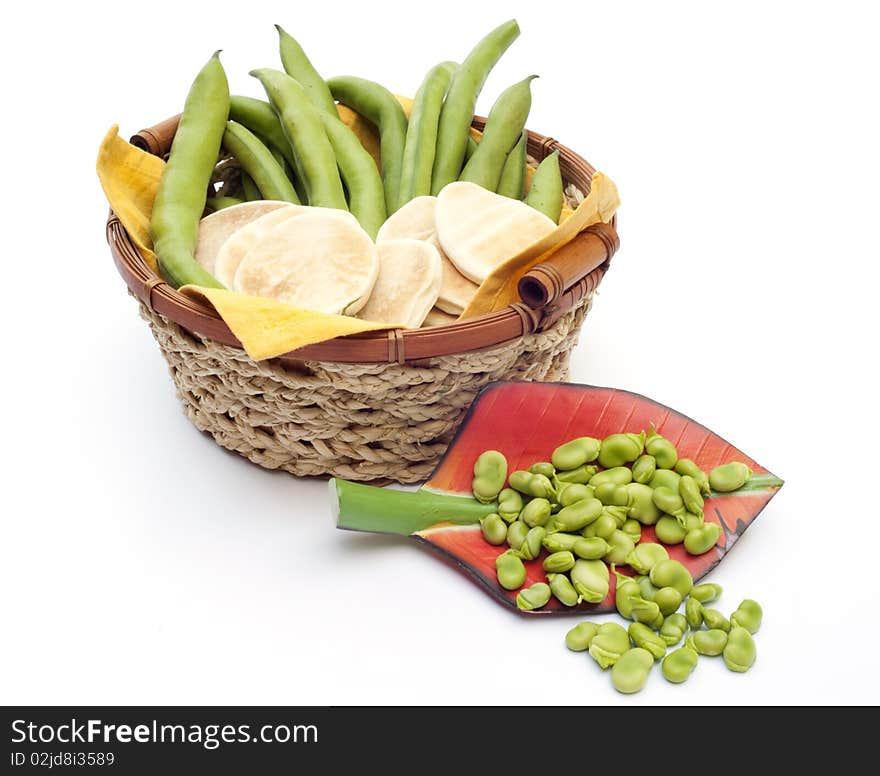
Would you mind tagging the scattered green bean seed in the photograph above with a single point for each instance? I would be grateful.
(490, 472)
(686, 466)
(693, 612)
(613, 495)
(643, 469)
(458, 107)
(662, 449)
(672, 573)
(748, 615)
(494, 529)
(633, 528)
(739, 652)
(621, 544)
(707, 592)
(531, 546)
(578, 639)
(557, 562)
(573, 492)
(702, 539)
(668, 599)
(630, 672)
(641, 503)
(543, 467)
(673, 629)
(604, 526)
(669, 530)
(619, 475)
(575, 453)
(516, 534)
(510, 570)
(712, 618)
(545, 193)
(609, 644)
(580, 475)
(645, 556)
(647, 612)
(536, 485)
(625, 592)
(646, 588)
(618, 449)
(536, 512)
(591, 580)
(559, 542)
(678, 665)
(578, 515)
(708, 642)
(510, 504)
(589, 549)
(668, 501)
(665, 478)
(730, 476)
(533, 597)
(689, 490)
(563, 590)
(642, 636)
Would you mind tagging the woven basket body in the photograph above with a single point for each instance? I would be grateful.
(358, 421)
(375, 407)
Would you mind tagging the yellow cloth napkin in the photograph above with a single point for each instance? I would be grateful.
(130, 178)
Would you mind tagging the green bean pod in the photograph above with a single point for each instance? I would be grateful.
(250, 190)
(421, 133)
(219, 203)
(545, 193)
(378, 105)
(305, 132)
(513, 175)
(504, 127)
(470, 148)
(461, 99)
(297, 65)
(257, 161)
(259, 118)
(180, 199)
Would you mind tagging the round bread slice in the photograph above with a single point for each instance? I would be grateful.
(216, 228)
(480, 230)
(241, 241)
(409, 281)
(317, 260)
(437, 317)
(415, 221)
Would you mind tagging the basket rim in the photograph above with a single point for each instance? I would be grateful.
(487, 331)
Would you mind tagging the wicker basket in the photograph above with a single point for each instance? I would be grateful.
(375, 406)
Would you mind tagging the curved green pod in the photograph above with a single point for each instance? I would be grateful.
(180, 198)
(257, 161)
(378, 105)
(545, 193)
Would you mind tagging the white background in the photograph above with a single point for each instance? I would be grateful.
(142, 564)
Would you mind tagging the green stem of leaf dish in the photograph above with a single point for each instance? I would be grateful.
(383, 510)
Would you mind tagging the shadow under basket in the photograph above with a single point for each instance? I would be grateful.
(375, 406)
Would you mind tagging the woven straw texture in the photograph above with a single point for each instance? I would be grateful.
(370, 422)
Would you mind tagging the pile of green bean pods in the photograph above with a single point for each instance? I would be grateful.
(295, 147)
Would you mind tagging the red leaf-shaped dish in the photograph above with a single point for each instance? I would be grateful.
(526, 421)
